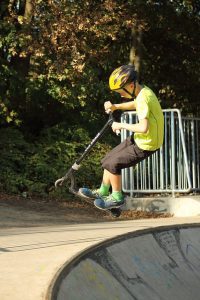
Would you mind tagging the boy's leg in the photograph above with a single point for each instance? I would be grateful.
(103, 191)
(116, 199)
(115, 181)
(112, 179)
(125, 155)
(108, 180)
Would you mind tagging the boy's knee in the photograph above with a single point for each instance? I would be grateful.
(111, 166)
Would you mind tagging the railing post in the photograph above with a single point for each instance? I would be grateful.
(172, 155)
(184, 151)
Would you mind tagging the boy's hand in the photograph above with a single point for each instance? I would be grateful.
(116, 127)
(109, 107)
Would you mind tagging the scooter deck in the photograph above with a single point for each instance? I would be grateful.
(115, 212)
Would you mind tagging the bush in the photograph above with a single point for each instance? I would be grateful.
(32, 168)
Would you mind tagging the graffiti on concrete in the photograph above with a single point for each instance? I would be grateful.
(152, 205)
(162, 264)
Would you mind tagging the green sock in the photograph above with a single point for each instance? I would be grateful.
(104, 189)
(117, 195)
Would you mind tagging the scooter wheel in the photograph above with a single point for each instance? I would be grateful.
(115, 212)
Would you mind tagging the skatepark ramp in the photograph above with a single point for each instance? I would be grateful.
(156, 263)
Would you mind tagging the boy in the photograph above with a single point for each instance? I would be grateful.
(147, 135)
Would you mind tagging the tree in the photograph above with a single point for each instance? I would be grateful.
(56, 56)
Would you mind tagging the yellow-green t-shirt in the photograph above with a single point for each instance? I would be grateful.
(147, 106)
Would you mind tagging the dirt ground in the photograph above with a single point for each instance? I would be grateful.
(16, 211)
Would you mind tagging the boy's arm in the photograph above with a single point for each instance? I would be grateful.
(121, 106)
(141, 127)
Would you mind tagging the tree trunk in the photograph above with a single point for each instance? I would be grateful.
(135, 51)
(28, 13)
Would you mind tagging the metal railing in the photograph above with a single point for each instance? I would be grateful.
(174, 168)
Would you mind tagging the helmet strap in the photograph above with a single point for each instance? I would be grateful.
(133, 93)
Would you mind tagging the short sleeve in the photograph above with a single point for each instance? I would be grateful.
(142, 109)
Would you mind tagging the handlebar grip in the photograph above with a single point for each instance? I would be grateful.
(118, 132)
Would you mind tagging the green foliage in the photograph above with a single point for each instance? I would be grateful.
(13, 160)
(33, 168)
(57, 61)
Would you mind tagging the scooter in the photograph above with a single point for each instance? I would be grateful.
(70, 174)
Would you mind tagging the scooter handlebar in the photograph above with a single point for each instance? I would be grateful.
(69, 175)
(118, 132)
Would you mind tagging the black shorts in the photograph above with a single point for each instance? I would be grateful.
(125, 155)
